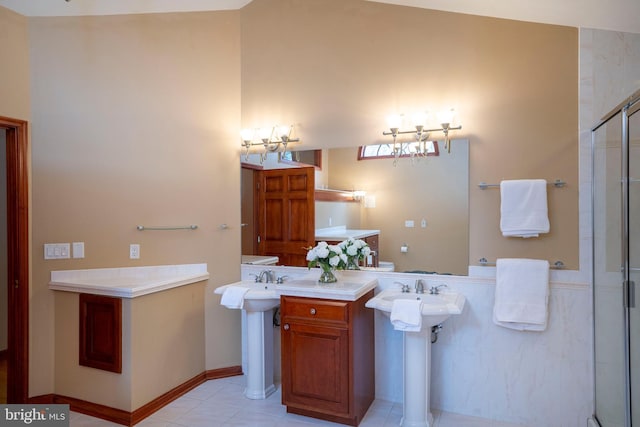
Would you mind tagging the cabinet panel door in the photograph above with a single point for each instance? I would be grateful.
(315, 371)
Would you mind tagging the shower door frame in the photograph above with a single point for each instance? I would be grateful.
(627, 108)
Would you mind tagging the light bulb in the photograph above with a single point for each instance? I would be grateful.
(284, 132)
(446, 116)
(246, 134)
(265, 133)
(419, 118)
(394, 121)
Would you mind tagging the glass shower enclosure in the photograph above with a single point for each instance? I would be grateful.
(616, 265)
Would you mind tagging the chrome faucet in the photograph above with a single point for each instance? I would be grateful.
(405, 288)
(435, 290)
(265, 274)
(419, 286)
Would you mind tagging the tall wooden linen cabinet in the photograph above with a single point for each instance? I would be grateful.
(327, 357)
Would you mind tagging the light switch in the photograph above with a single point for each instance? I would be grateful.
(78, 249)
(57, 250)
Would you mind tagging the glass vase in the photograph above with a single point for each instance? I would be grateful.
(352, 264)
(327, 275)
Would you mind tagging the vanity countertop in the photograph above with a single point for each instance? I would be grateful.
(127, 282)
(351, 285)
(343, 233)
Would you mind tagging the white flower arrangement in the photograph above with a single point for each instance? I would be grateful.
(328, 257)
(355, 249)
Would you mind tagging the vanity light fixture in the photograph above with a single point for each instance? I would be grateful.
(271, 139)
(419, 120)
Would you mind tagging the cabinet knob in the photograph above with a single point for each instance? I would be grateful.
(312, 311)
(286, 326)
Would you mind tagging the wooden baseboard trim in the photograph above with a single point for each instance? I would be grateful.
(232, 371)
(108, 413)
(157, 403)
(130, 418)
(42, 400)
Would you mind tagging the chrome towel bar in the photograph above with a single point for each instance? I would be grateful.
(557, 183)
(179, 227)
(558, 265)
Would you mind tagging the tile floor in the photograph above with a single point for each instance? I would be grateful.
(220, 403)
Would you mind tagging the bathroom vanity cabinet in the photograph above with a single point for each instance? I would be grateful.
(327, 357)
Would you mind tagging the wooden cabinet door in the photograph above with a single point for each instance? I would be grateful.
(286, 214)
(315, 367)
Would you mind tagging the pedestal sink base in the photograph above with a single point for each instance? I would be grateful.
(417, 377)
(259, 355)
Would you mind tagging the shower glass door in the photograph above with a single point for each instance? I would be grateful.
(634, 259)
(609, 313)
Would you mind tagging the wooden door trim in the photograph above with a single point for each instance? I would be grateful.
(18, 259)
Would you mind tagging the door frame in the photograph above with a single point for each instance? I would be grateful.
(18, 259)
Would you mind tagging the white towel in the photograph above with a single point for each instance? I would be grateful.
(523, 208)
(406, 315)
(522, 294)
(233, 296)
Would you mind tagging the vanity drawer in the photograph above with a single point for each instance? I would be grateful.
(316, 309)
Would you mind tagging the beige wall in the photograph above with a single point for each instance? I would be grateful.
(135, 121)
(337, 68)
(14, 51)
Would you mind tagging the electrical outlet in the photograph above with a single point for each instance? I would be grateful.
(134, 251)
(409, 223)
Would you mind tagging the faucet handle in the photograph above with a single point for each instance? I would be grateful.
(435, 290)
(405, 288)
(258, 279)
(280, 279)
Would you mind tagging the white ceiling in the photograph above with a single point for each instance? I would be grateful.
(617, 15)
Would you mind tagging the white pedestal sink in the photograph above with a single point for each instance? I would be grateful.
(258, 305)
(417, 349)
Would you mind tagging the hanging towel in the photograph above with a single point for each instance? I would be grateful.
(522, 294)
(406, 315)
(523, 208)
(233, 296)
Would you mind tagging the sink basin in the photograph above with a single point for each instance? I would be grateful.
(435, 308)
(260, 297)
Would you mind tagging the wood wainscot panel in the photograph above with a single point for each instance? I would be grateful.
(101, 332)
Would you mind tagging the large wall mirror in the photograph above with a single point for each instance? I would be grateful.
(418, 204)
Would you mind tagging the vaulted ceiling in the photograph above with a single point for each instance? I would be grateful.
(617, 15)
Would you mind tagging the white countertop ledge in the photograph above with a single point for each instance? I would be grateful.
(127, 282)
(343, 233)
